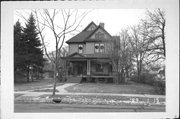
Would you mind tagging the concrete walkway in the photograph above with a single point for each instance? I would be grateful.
(62, 87)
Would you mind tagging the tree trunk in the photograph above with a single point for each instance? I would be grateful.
(122, 75)
(27, 75)
(163, 40)
(138, 72)
(118, 77)
(31, 73)
(54, 85)
(55, 69)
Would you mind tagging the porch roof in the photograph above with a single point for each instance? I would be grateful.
(86, 56)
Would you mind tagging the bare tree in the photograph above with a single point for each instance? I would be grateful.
(46, 19)
(156, 22)
(113, 53)
(121, 56)
(139, 44)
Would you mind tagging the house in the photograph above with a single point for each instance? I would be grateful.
(88, 58)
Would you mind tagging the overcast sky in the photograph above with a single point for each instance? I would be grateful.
(114, 20)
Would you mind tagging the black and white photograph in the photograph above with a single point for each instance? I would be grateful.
(68, 60)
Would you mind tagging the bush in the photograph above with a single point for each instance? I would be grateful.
(160, 87)
(151, 79)
(145, 78)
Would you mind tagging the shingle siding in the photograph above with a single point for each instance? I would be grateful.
(89, 48)
(73, 48)
(101, 31)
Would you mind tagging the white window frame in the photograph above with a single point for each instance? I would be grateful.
(80, 51)
(101, 50)
(96, 50)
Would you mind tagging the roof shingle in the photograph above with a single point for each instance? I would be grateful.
(80, 37)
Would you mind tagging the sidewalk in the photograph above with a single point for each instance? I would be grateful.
(28, 96)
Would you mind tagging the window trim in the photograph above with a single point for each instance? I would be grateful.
(102, 50)
(80, 49)
(99, 49)
(95, 50)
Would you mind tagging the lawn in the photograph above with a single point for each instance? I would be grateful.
(130, 88)
(36, 85)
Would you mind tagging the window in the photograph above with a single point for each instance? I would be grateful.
(99, 35)
(96, 47)
(92, 28)
(99, 68)
(80, 49)
(99, 47)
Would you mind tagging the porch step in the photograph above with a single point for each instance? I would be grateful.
(74, 79)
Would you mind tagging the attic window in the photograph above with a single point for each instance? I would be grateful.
(99, 35)
(80, 48)
(92, 28)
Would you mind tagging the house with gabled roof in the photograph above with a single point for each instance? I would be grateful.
(88, 58)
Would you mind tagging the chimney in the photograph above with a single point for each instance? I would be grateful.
(101, 24)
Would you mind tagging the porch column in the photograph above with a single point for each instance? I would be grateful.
(88, 67)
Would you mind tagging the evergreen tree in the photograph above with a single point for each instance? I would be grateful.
(34, 58)
(18, 47)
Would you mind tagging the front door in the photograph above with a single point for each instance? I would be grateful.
(79, 68)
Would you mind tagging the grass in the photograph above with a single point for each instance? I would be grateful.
(36, 85)
(131, 88)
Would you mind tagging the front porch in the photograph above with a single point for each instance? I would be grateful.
(89, 70)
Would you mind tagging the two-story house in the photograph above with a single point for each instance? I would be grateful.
(88, 57)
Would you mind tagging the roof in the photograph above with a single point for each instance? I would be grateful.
(85, 35)
(87, 56)
(92, 23)
(97, 55)
(79, 37)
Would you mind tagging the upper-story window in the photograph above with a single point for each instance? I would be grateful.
(80, 48)
(96, 46)
(99, 47)
(99, 35)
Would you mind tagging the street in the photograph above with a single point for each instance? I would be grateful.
(41, 107)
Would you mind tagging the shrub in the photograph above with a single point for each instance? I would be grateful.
(151, 79)
(148, 78)
(145, 78)
(160, 87)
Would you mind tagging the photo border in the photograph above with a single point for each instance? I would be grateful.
(172, 57)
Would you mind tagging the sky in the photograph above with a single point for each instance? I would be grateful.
(114, 19)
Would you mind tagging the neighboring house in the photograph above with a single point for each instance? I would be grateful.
(88, 56)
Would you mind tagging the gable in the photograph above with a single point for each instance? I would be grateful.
(91, 27)
(100, 31)
(79, 38)
(76, 55)
(89, 34)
